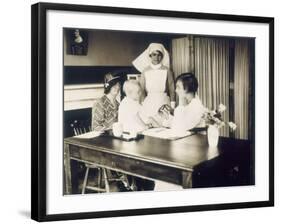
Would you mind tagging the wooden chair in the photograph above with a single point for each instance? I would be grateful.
(104, 175)
(80, 127)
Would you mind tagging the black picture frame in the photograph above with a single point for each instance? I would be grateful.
(39, 109)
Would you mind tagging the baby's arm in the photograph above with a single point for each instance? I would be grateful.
(165, 114)
(140, 121)
(142, 84)
(168, 121)
(153, 122)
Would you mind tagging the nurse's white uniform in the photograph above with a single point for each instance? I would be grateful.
(155, 84)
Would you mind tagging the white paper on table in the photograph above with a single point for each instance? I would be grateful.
(165, 133)
(91, 134)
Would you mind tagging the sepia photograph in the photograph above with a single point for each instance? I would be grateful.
(151, 111)
(140, 111)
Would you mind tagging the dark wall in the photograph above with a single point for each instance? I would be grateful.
(113, 48)
(108, 51)
(93, 74)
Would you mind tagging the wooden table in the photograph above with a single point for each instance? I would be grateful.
(179, 161)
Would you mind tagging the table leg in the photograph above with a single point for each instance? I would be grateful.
(67, 170)
(186, 179)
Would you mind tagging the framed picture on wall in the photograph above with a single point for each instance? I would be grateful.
(133, 106)
(77, 42)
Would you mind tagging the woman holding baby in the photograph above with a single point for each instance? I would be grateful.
(105, 110)
(105, 115)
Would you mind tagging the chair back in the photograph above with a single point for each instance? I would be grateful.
(80, 127)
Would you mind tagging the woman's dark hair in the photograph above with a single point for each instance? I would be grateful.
(109, 82)
(189, 82)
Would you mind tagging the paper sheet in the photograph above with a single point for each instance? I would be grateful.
(165, 133)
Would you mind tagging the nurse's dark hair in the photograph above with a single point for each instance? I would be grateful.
(189, 82)
(159, 52)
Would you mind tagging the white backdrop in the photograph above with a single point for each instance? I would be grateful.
(15, 111)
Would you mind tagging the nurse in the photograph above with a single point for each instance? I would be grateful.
(156, 80)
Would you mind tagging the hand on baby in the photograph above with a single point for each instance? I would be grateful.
(164, 111)
(153, 123)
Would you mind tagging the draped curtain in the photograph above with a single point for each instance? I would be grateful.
(212, 71)
(209, 59)
(241, 88)
(182, 55)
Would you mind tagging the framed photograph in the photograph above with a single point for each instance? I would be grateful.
(76, 41)
(138, 111)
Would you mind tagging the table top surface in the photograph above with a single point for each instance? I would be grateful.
(182, 153)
